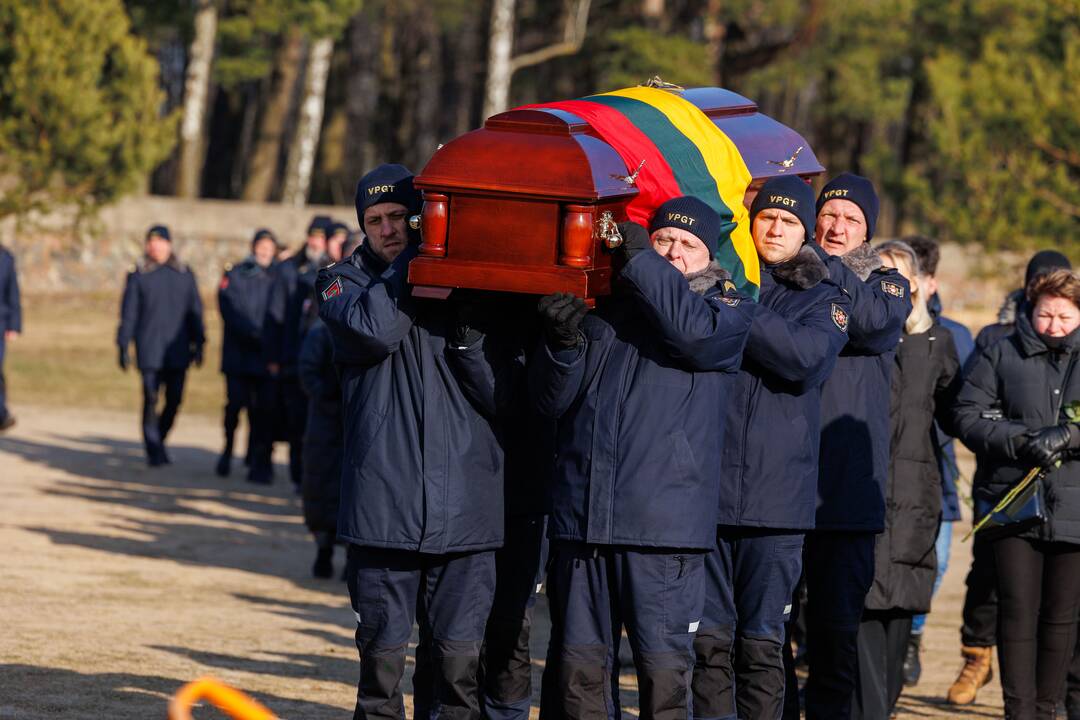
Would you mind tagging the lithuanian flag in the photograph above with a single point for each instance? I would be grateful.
(684, 154)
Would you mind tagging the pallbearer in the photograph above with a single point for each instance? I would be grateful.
(768, 475)
(161, 311)
(640, 389)
(422, 483)
(854, 458)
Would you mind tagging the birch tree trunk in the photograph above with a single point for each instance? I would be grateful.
(196, 101)
(301, 159)
(263, 164)
(499, 66)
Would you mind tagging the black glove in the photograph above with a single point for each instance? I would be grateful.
(562, 314)
(635, 239)
(466, 318)
(1044, 447)
(123, 358)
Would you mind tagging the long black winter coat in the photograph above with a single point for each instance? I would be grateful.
(923, 385)
(162, 312)
(855, 399)
(800, 326)
(324, 433)
(243, 296)
(10, 307)
(1024, 380)
(423, 467)
(641, 408)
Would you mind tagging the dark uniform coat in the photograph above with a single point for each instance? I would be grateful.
(641, 407)
(905, 564)
(854, 460)
(324, 433)
(767, 481)
(10, 307)
(423, 465)
(1019, 385)
(243, 297)
(293, 290)
(162, 312)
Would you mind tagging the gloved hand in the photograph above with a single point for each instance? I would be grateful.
(1044, 447)
(466, 317)
(123, 360)
(562, 314)
(635, 240)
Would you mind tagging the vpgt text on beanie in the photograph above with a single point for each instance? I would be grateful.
(857, 189)
(690, 214)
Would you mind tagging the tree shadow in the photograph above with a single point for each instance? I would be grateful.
(38, 692)
(191, 517)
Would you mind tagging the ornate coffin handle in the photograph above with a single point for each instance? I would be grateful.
(608, 231)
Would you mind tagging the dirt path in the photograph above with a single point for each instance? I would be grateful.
(118, 584)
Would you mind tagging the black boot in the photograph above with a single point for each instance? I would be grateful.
(224, 464)
(912, 665)
(324, 563)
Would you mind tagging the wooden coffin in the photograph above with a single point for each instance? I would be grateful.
(521, 205)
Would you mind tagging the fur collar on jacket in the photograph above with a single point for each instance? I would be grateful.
(862, 261)
(1007, 312)
(704, 280)
(803, 271)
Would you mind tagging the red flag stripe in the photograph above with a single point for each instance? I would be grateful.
(655, 183)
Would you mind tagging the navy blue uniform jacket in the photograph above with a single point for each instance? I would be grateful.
(423, 468)
(162, 312)
(641, 407)
(10, 308)
(293, 289)
(243, 296)
(769, 470)
(855, 430)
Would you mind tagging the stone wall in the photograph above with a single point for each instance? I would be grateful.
(53, 255)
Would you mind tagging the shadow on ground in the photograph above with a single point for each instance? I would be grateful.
(58, 693)
(190, 515)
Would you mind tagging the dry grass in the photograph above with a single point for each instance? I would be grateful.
(67, 357)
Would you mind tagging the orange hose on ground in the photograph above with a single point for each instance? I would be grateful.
(234, 703)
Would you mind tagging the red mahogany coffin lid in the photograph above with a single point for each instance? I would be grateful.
(555, 154)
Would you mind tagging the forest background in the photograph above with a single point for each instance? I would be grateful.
(963, 112)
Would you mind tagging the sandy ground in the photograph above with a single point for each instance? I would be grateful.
(118, 584)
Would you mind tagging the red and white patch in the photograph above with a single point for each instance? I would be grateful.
(892, 288)
(333, 289)
(840, 317)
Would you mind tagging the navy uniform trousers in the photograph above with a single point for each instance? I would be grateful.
(450, 597)
(241, 394)
(506, 665)
(839, 569)
(3, 385)
(156, 426)
(750, 578)
(594, 592)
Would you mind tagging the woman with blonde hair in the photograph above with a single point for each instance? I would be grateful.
(905, 563)
(1018, 406)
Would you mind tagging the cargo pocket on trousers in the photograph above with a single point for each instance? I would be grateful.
(684, 592)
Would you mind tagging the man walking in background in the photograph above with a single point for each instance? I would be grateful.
(10, 324)
(161, 311)
(243, 296)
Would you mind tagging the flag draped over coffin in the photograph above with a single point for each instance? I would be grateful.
(685, 153)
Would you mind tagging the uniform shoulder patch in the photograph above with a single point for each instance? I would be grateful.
(730, 300)
(891, 288)
(333, 289)
(224, 283)
(840, 317)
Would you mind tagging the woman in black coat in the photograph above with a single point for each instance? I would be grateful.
(905, 564)
(1015, 407)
